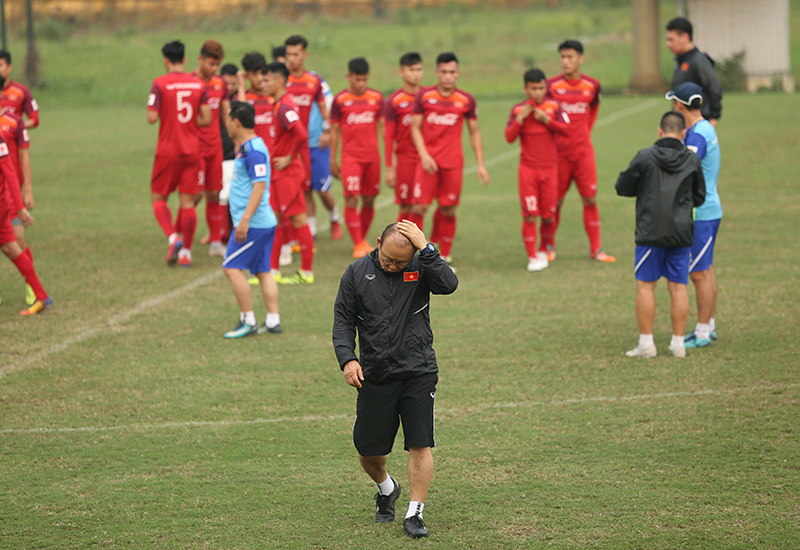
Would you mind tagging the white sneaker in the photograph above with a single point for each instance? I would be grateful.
(535, 264)
(216, 249)
(648, 353)
(677, 351)
(542, 257)
(286, 255)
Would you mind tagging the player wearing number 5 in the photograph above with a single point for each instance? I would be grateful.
(179, 102)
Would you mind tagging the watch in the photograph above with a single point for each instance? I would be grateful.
(430, 248)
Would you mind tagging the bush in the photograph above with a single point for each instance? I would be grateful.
(730, 73)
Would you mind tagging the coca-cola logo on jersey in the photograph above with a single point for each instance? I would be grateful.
(407, 118)
(264, 118)
(214, 102)
(367, 117)
(575, 108)
(303, 100)
(449, 119)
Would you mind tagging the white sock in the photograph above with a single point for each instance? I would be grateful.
(712, 325)
(241, 316)
(415, 508)
(386, 487)
(185, 253)
(273, 320)
(312, 225)
(306, 273)
(677, 341)
(645, 340)
(249, 318)
(334, 214)
(172, 238)
(702, 331)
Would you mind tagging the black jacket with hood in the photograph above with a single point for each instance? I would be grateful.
(390, 311)
(696, 66)
(667, 181)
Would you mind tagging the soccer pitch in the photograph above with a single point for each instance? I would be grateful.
(129, 422)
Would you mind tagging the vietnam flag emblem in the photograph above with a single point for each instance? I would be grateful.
(410, 276)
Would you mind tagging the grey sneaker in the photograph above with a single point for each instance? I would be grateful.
(648, 353)
(415, 527)
(264, 329)
(384, 504)
(678, 351)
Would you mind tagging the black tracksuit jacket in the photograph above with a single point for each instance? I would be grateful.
(391, 313)
(696, 66)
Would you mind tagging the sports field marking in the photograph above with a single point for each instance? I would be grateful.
(446, 411)
(158, 300)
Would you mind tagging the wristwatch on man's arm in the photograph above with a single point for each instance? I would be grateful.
(430, 248)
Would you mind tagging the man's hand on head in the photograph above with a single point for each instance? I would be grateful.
(413, 233)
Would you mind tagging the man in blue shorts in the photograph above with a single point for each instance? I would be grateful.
(254, 224)
(667, 181)
(701, 137)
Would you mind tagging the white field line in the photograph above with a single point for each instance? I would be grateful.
(150, 427)
(158, 300)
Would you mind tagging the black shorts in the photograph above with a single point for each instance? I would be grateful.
(381, 407)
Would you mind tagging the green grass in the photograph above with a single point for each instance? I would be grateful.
(152, 431)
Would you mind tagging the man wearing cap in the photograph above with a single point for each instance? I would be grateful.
(701, 138)
(692, 65)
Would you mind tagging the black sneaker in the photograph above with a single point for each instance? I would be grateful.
(415, 527)
(384, 504)
(264, 329)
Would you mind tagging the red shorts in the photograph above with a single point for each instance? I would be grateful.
(580, 168)
(538, 190)
(286, 195)
(359, 178)
(444, 186)
(209, 174)
(6, 229)
(171, 173)
(404, 182)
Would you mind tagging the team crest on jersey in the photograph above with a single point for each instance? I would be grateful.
(692, 148)
(260, 170)
(561, 91)
(433, 100)
(348, 102)
(410, 276)
(3, 149)
(404, 104)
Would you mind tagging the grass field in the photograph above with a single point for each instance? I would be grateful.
(127, 421)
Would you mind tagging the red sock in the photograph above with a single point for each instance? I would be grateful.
(591, 221)
(529, 237)
(163, 217)
(25, 268)
(188, 217)
(548, 233)
(366, 219)
(447, 231)
(28, 253)
(417, 219)
(306, 247)
(436, 233)
(274, 258)
(215, 220)
(353, 221)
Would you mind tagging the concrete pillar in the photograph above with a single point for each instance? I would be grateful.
(647, 37)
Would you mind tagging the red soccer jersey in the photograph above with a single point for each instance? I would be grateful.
(305, 91)
(288, 134)
(12, 130)
(357, 116)
(10, 199)
(177, 98)
(442, 123)
(580, 100)
(398, 110)
(211, 135)
(263, 106)
(17, 99)
(537, 142)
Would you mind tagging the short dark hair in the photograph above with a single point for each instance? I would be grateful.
(393, 231)
(410, 58)
(5, 55)
(358, 65)
(681, 25)
(571, 45)
(212, 49)
(446, 57)
(533, 75)
(296, 40)
(2, 80)
(253, 61)
(229, 69)
(278, 51)
(276, 68)
(174, 51)
(672, 122)
(244, 113)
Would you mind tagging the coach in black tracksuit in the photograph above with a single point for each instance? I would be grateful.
(385, 298)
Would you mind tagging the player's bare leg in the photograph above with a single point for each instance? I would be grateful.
(420, 473)
(269, 291)
(329, 201)
(591, 222)
(303, 232)
(679, 311)
(24, 265)
(241, 290)
(645, 317)
(706, 290)
(537, 259)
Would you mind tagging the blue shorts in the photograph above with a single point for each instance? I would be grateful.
(654, 262)
(705, 236)
(253, 254)
(321, 169)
